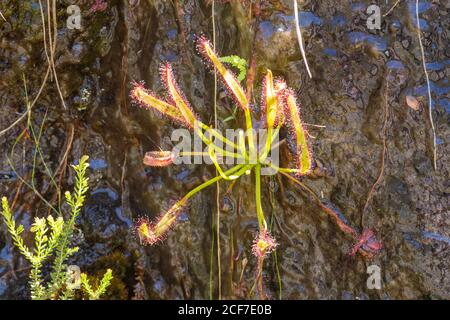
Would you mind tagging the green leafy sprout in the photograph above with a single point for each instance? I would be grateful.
(237, 62)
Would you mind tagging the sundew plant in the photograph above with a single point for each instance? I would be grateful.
(279, 109)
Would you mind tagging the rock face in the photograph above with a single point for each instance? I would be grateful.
(356, 72)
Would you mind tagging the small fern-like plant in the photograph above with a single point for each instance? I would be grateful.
(52, 238)
(237, 62)
(102, 287)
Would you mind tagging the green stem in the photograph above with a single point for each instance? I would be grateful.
(259, 211)
(210, 182)
(251, 141)
(212, 155)
(214, 133)
(271, 135)
(210, 144)
(241, 142)
(284, 170)
(242, 171)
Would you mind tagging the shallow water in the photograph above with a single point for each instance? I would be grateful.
(353, 69)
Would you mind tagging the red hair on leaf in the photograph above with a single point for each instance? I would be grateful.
(148, 100)
(150, 233)
(263, 244)
(298, 134)
(228, 77)
(272, 100)
(176, 95)
(158, 158)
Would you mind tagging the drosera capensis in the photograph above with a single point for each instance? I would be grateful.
(279, 109)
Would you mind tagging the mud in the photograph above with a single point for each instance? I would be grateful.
(356, 71)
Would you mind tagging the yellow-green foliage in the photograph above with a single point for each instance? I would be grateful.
(52, 238)
(237, 62)
(101, 289)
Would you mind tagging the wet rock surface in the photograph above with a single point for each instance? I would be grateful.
(356, 73)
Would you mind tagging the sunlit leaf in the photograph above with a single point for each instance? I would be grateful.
(272, 100)
(299, 134)
(177, 97)
(205, 48)
(148, 100)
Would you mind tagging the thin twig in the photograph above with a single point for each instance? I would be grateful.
(22, 116)
(3, 17)
(430, 115)
(44, 32)
(340, 223)
(63, 163)
(299, 37)
(383, 152)
(392, 8)
(55, 34)
(17, 195)
(61, 169)
(50, 59)
(36, 192)
(219, 268)
(314, 125)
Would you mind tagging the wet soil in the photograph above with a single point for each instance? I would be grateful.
(357, 72)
